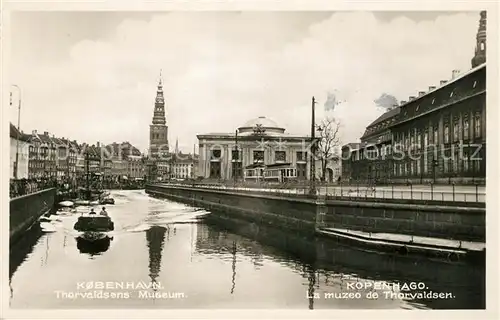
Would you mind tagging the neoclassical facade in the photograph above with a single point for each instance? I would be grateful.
(258, 150)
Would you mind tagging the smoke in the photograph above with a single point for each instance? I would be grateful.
(332, 100)
(386, 101)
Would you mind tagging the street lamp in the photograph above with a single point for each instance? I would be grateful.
(16, 164)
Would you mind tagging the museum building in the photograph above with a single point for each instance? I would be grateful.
(259, 150)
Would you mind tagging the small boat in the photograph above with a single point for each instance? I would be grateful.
(94, 223)
(107, 200)
(66, 203)
(82, 202)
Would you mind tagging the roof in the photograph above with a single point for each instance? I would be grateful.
(354, 145)
(386, 115)
(255, 165)
(460, 76)
(277, 165)
(16, 134)
(260, 121)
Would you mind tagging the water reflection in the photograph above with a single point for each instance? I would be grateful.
(155, 237)
(93, 247)
(221, 265)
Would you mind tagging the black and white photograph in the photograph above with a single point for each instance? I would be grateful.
(301, 160)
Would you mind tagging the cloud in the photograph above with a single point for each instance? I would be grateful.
(220, 69)
(386, 101)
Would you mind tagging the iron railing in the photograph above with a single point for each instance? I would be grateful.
(443, 193)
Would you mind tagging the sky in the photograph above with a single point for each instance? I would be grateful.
(92, 76)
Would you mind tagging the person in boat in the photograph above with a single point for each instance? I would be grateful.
(92, 211)
(104, 212)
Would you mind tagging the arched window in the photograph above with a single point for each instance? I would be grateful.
(446, 133)
(481, 45)
(477, 125)
(466, 129)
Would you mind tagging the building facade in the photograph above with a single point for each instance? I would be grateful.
(438, 136)
(19, 143)
(135, 167)
(260, 150)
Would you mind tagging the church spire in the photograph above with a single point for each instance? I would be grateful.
(480, 53)
(159, 111)
(177, 146)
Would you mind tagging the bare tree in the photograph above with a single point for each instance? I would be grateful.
(328, 143)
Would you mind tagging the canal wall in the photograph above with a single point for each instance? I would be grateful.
(292, 214)
(435, 221)
(25, 210)
(305, 215)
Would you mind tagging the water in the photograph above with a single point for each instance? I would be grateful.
(167, 255)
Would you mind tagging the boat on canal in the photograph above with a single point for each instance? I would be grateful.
(94, 223)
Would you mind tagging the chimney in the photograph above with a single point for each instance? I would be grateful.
(45, 133)
(411, 98)
(454, 74)
(98, 144)
(421, 93)
(432, 88)
(34, 132)
(403, 102)
(443, 82)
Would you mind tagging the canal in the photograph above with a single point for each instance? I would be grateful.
(164, 254)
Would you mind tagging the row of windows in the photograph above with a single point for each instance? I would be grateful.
(461, 131)
(258, 155)
(415, 167)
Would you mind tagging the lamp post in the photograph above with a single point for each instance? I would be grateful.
(16, 163)
(312, 166)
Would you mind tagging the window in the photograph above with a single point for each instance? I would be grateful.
(301, 156)
(433, 100)
(474, 85)
(456, 162)
(466, 163)
(280, 156)
(446, 133)
(481, 46)
(466, 129)
(426, 139)
(445, 166)
(477, 166)
(425, 163)
(436, 136)
(419, 162)
(451, 94)
(416, 109)
(477, 126)
(235, 155)
(456, 128)
(258, 156)
(216, 154)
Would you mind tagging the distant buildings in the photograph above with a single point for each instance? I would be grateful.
(438, 136)
(44, 156)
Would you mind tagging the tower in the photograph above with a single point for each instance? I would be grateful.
(158, 130)
(480, 53)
